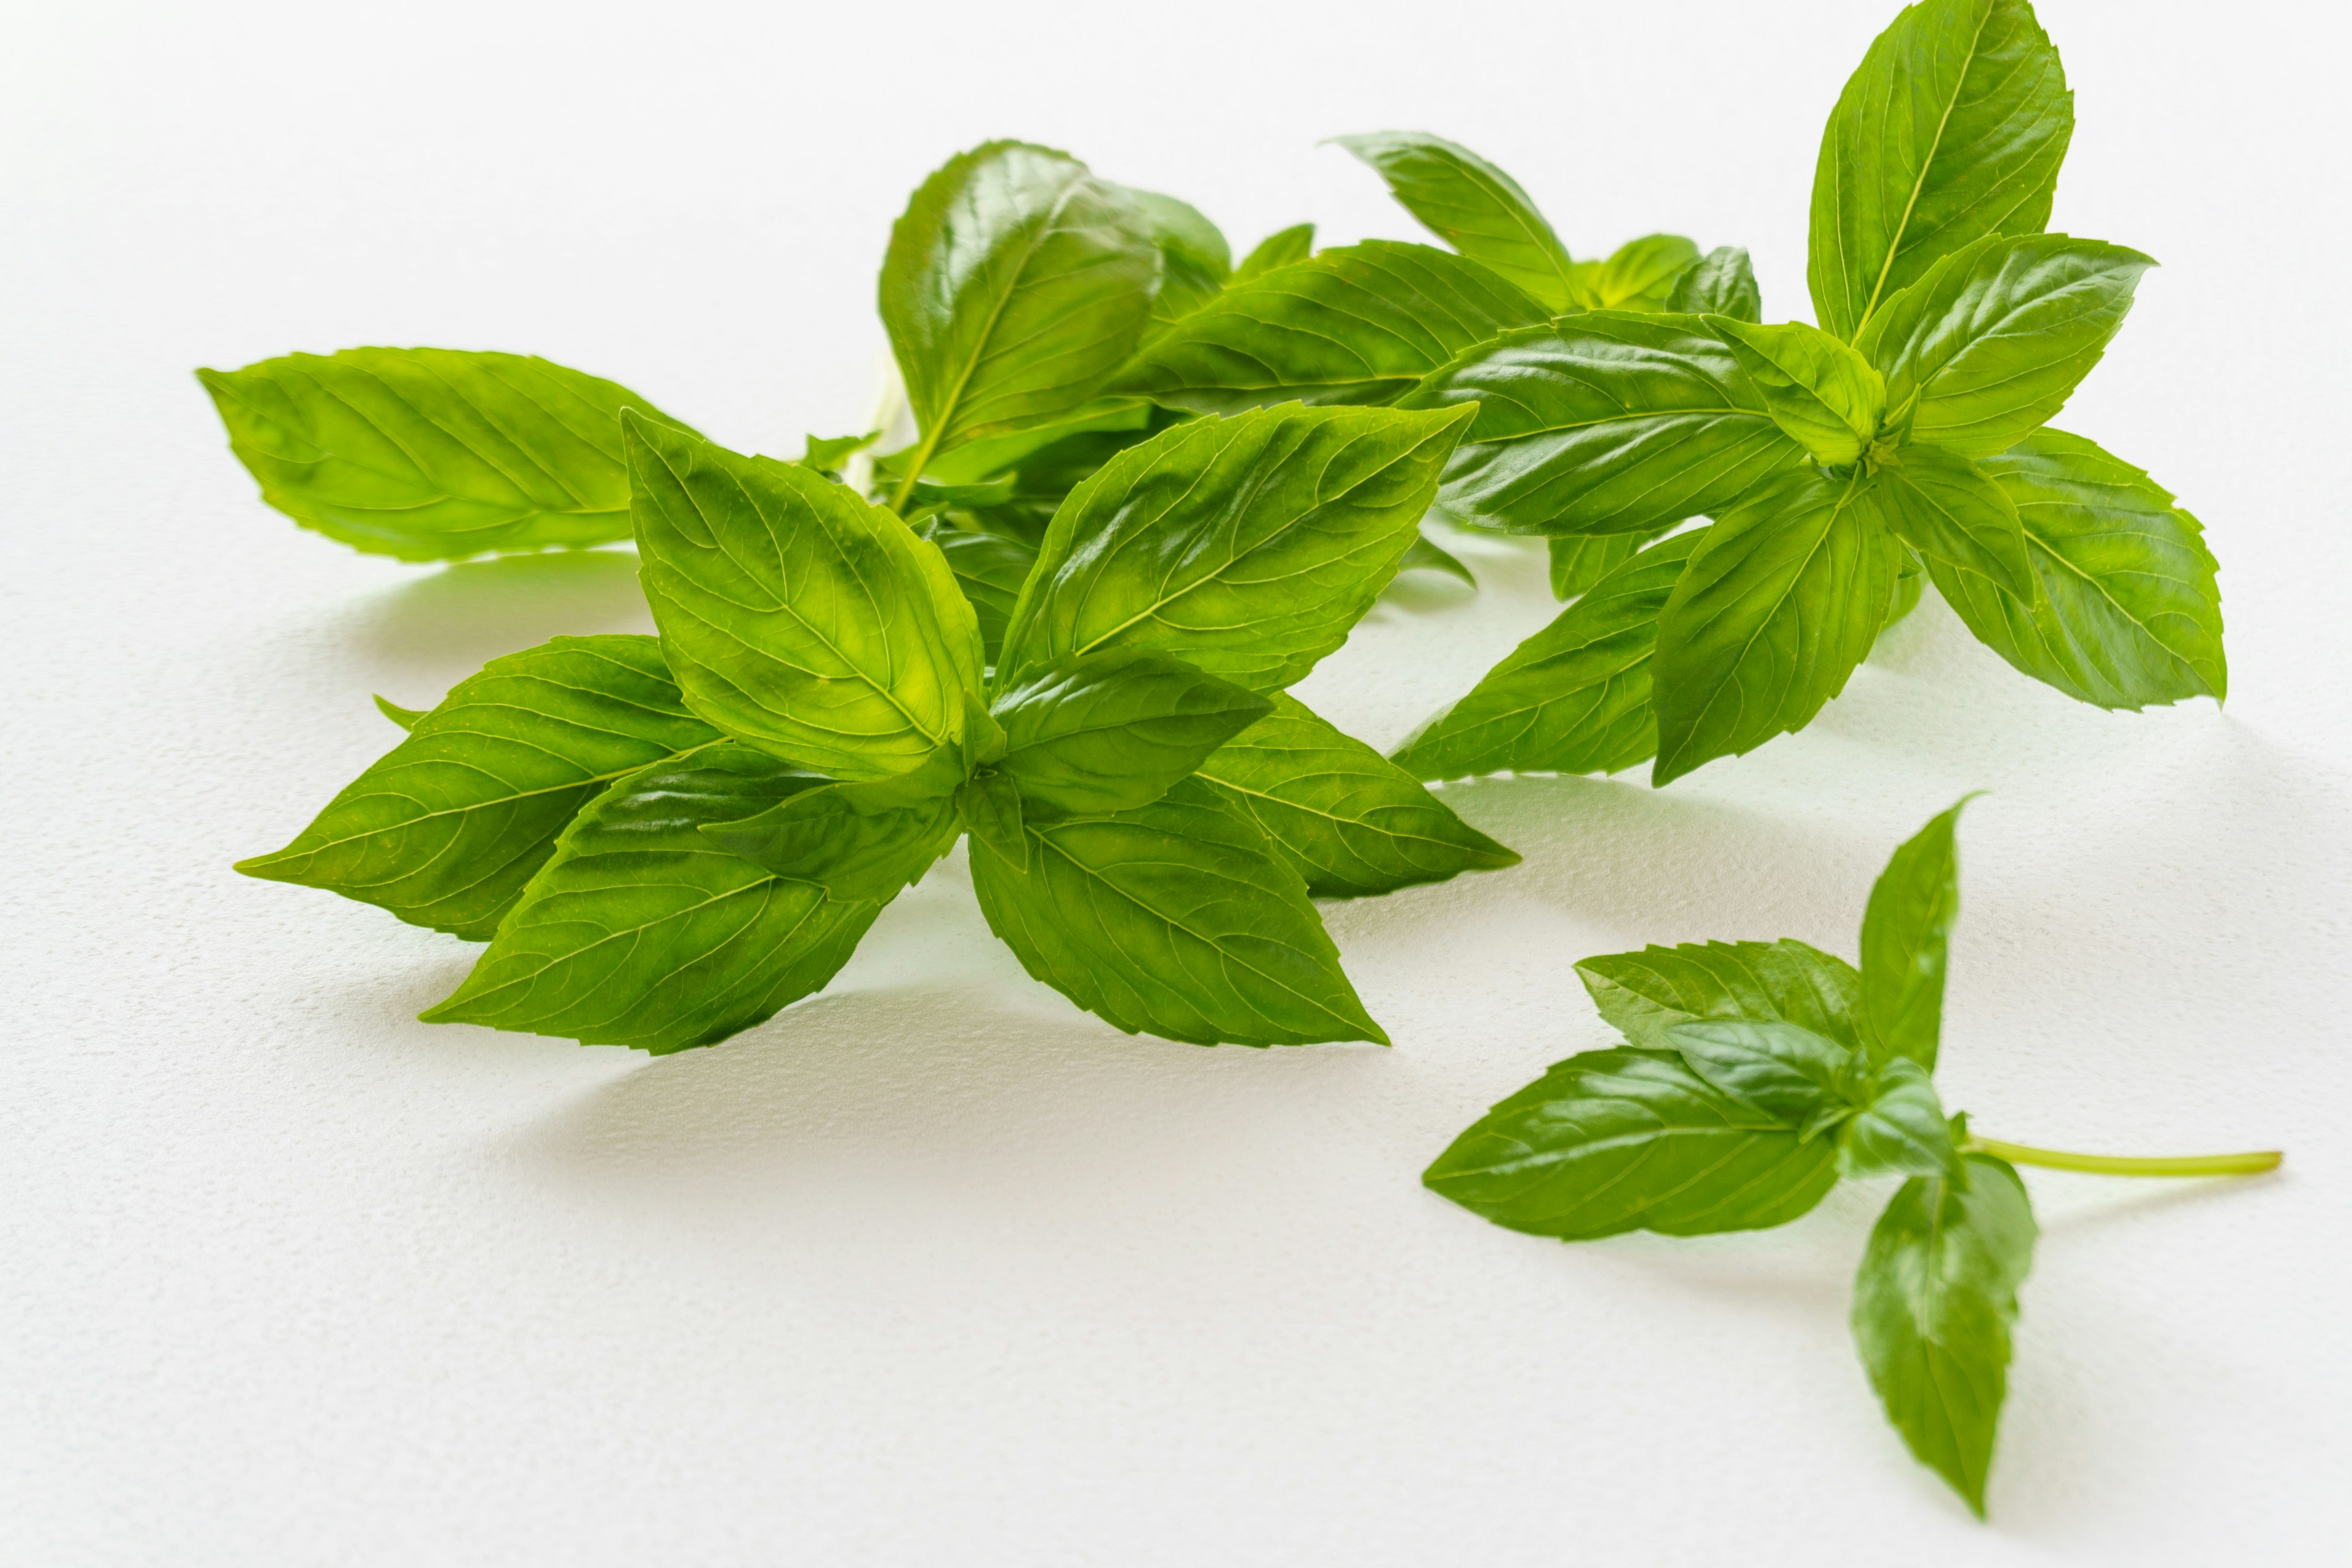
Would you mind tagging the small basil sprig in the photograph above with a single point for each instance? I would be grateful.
(1754, 1078)
(1904, 435)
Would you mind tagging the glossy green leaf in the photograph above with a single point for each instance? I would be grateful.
(795, 616)
(1951, 510)
(1906, 933)
(1779, 1068)
(2128, 611)
(989, 569)
(856, 841)
(1901, 1129)
(1362, 323)
(1425, 554)
(1280, 249)
(1991, 343)
(1645, 994)
(1572, 699)
(1602, 423)
(1952, 129)
(433, 454)
(990, 803)
(1349, 820)
(1825, 394)
(1245, 546)
(1195, 261)
(1632, 1139)
(640, 931)
(1577, 561)
(1102, 732)
(1473, 207)
(406, 718)
(1174, 920)
(1014, 284)
(1933, 1305)
(1721, 283)
(447, 827)
(1640, 274)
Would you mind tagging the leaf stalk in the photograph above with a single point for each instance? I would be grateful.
(2246, 1164)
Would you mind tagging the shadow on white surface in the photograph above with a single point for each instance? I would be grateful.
(470, 612)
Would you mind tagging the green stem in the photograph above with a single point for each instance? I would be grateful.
(915, 469)
(2245, 1164)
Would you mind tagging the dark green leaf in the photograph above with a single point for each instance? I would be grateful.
(1825, 394)
(445, 830)
(990, 569)
(990, 803)
(1647, 993)
(1905, 934)
(1194, 259)
(1933, 1305)
(1790, 1073)
(1174, 920)
(1246, 546)
(856, 841)
(1351, 822)
(1901, 1131)
(1951, 510)
(1425, 555)
(1102, 732)
(1358, 324)
(433, 454)
(406, 718)
(1473, 207)
(1280, 249)
(1722, 283)
(1578, 561)
(1953, 129)
(1640, 274)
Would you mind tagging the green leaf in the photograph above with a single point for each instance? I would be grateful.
(1194, 259)
(1425, 554)
(1016, 283)
(989, 569)
(1350, 821)
(1991, 343)
(1572, 699)
(1626, 1140)
(447, 826)
(1901, 1131)
(1280, 249)
(1174, 920)
(1781, 1068)
(1602, 423)
(1951, 510)
(2128, 611)
(1933, 1305)
(1909, 576)
(1473, 207)
(856, 841)
(1647, 993)
(1640, 274)
(990, 804)
(1577, 561)
(1905, 931)
(1780, 601)
(640, 931)
(1952, 129)
(1825, 394)
(406, 718)
(1103, 732)
(826, 454)
(1722, 283)
(1362, 323)
(1245, 546)
(795, 616)
(433, 454)
(979, 460)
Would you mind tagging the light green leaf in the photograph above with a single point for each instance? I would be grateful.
(1991, 343)
(989, 569)
(1102, 732)
(1949, 509)
(1245, 546)
(1424, 555)
(1350, 821)
(406, 718)
(1953, 129)
(1572, 699)
(1577, 561)
(640, 931)
(1473, 207)
(1779, 603)
(1779, 1068)
(1909, 576)
(1647, 993)
(856, 841)
(1901, 1130)
(979, 460)
(1905, 931)
(433, 454)
(1722, 283)
(2128, 611)
(1625, 1139)
(1195, 261)
(447, 827)
(1362, 323)
(795, 616)
(826, 454)
(1824, 393)
(1174, 920)
(1640, 274)
(1280, 249)
(1933, 1305)
(990, 803)
(1602, 423)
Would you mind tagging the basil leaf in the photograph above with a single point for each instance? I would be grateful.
(1907, 579)
(1623, 1140)
(795, 616)
(1825, 394)
(1952, 129)
(989, 569)
(1194, 259)
(1245, 546)
(1901, 1130)
(984, 458)
(2128, 611)
(1640, 274)
(1473, 207)
(1779, 603)
(1783, 1069)
(1948, 509)
(1645, 994)
(1933, 1305)
(1173, 920)
(433, 454)
(1280, 249)
(406, 718)
(1092, 734)
(990, 806)
(1362, 323)
(856, 841)
(1905, 931)
(1351, 822)
(1577, 561)
(640, 932)
(826, 454)
(1991, 343)
(1572, 699)
(449, 826)
(1721, 283)
(1424, 555)
(1602, 423)
(1014, 284)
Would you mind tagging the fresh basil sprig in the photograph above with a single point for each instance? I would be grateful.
(1754, 1078)
(1904, 435)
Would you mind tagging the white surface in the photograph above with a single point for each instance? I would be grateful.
(933, 1268)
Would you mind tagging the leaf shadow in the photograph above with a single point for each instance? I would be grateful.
(462, 616)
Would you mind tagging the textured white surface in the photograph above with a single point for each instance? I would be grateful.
(933, 1268)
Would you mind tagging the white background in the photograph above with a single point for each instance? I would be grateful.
(933, 1268)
